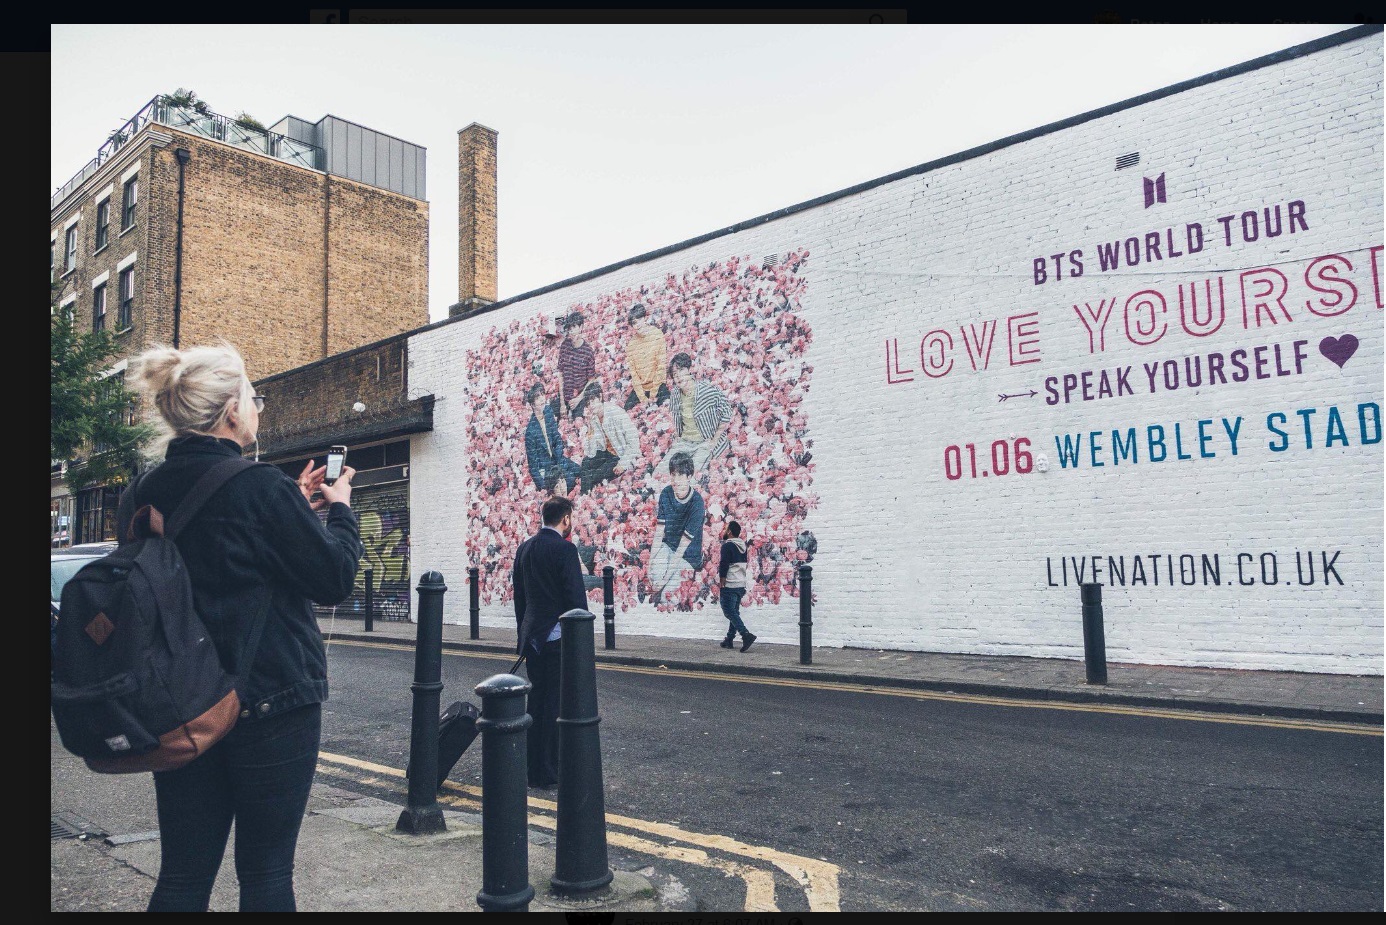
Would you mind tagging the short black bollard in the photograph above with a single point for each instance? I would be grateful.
(580, 863)
(474, 590)
(422, 815)
(1094, 640)
(505, 885)
(609, 604)
(805, 615)
(370, 599)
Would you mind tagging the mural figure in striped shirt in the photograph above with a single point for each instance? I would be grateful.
(702, 414)
(577, 363)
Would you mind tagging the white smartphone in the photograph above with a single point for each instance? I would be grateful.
(336, 459)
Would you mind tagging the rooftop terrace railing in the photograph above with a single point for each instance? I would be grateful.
(198, 122)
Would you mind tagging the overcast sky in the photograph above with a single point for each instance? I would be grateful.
(617, 140)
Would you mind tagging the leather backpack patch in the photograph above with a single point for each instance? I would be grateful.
(100, 628)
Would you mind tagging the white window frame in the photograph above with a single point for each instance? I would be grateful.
(99, 288)
(69, 248)
(128, 207)
(96, 222)
(120, 295)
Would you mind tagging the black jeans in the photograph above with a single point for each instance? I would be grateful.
(259, 776)
(661, 396)
(596, 469)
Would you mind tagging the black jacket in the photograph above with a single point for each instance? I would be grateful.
(256, 541)
(548, 584)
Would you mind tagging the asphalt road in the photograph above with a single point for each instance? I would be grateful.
(911, 803)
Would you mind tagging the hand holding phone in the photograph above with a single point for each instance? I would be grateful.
(336, 459)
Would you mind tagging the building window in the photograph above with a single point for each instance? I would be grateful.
(60, 520)
(127, 299)
(96, 515)
(98, 308)
(128, 200)
(70, 246)
(52, 260)
(103, 223)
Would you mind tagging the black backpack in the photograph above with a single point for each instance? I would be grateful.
(137, 683)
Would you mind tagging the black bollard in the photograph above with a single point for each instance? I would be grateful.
(805, 615)
(1094, 640)
(474, 581)
(505, 885)
(580, 863)
(609, 604)
(422, 815)
(370, 599)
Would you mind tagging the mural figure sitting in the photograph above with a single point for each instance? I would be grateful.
(553, 472)
(676, 549)
(702, 414)
(611, 445)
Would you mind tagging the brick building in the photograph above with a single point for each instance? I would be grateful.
(362, 398)
(295, 244)
(1140, 347)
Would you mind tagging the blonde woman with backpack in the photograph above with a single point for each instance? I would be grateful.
(256, 551)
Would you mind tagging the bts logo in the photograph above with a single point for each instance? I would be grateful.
(1154, 190)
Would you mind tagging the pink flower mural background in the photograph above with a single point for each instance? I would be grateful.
(740, 322)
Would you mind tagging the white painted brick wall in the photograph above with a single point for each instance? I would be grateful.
(909, 559)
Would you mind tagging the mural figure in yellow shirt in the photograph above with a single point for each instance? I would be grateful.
(645, 353)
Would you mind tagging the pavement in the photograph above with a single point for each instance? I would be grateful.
(351, 857)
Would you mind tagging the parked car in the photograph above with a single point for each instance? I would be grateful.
(65, 563)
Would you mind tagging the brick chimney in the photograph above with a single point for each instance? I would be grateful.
(476, 219)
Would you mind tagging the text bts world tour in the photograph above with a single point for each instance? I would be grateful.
(1242, 227)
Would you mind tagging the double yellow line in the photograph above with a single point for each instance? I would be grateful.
(819, 879)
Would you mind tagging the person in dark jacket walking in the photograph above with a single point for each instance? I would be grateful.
(731, 577)
(548, 584)
(256, 551)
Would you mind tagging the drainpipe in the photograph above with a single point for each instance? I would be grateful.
(326, 254)
(183, 155)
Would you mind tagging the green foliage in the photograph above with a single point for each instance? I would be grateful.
(92, 429)
(246, 120)
(187, 99)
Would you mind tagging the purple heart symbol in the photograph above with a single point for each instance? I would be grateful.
(1338, 349)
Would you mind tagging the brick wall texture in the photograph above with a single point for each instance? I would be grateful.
(476, 212)
(1029, 370)
(261, 241)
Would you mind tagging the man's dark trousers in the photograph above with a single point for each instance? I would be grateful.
(542, 742)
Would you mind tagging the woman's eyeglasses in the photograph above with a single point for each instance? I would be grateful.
(259, 402)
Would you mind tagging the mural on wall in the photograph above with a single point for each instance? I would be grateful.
(663, 412)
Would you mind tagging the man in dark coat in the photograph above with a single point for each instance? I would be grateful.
(548, 584)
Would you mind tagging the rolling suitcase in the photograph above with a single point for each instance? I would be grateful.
(456, 731)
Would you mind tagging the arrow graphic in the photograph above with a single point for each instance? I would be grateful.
(1030, 394)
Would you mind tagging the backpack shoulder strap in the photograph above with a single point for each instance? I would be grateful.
(203, 489)
(125, 511)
